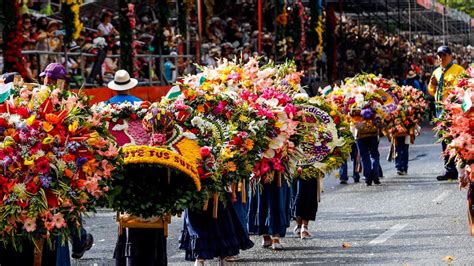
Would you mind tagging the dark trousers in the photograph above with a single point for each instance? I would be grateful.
(369, 157)
(78, 239)
(343, 174)
(449, 165)
(305, 199)
(401, 160)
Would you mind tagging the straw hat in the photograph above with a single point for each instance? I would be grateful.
(122, 81)
(411, 74)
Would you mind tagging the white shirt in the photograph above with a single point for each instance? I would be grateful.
(105, 29)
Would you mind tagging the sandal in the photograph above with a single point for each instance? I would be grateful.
(232, 258)
(276, 245)
(199, 262)
(305, 234)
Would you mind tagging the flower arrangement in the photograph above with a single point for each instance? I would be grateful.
(58, 162)
(124, 121)
(327, 137)
(455, 126)
(407, 117)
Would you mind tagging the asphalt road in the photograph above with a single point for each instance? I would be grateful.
(408, 220)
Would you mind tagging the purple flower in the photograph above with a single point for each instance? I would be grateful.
(367, 113)
(81, 161)
(46, 181)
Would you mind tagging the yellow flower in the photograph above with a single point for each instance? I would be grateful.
(243, 118)
(94, 137)
(208, 97)
(30, 120)
(73, 127)
(48, 140)
(47, 126)
(29, 161)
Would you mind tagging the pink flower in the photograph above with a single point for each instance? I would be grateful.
(58, 220)
(290, 109)
(110, 153)
(29, 224)
(108, 168)
(158, 139)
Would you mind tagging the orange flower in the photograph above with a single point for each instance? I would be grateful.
(90, 167)
(52, 118)
(68, 173)
(201, 109)
(47, 126)
(249, 144)
(69, 158)
(231, 167)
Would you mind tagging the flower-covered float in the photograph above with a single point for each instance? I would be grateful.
(455, 126)
(160, 175)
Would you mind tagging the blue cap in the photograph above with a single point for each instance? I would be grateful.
(443, 49)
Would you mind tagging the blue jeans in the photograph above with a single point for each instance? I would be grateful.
(343, 175)
(369, 157)
(401, 160)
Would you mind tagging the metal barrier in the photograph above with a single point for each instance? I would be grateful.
(156, 75)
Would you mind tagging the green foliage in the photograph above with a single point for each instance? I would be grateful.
(461, 5)
(150, 190)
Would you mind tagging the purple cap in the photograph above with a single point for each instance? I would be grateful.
(54, 71)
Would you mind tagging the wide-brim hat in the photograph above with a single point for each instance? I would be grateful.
(122, 81)
(411, 74)
(5, 90)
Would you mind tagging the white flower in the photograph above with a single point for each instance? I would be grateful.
(197, 121)
(269, 153)
(301, 96)
(189, 135)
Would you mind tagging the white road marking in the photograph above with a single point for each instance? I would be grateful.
(442, 196)
(178, 255)
(413, 146)
(388, 234)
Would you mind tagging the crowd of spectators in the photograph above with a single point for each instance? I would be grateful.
(364, 48)
(231, 33)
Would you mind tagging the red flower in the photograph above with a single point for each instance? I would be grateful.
(52, 199)
(42, 165)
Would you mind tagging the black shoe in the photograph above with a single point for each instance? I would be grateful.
(368, 183)
(446, 177)
(356, 180)
(377, 182)
(87, 246)
(343, 182)
(399, 172)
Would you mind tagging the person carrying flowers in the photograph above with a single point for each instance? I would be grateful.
(442, 79)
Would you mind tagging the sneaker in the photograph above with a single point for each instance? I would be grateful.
(297, 230)
(87, 246)
(343, 182)
(399, 172)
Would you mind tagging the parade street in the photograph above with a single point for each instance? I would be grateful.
(411, 219)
